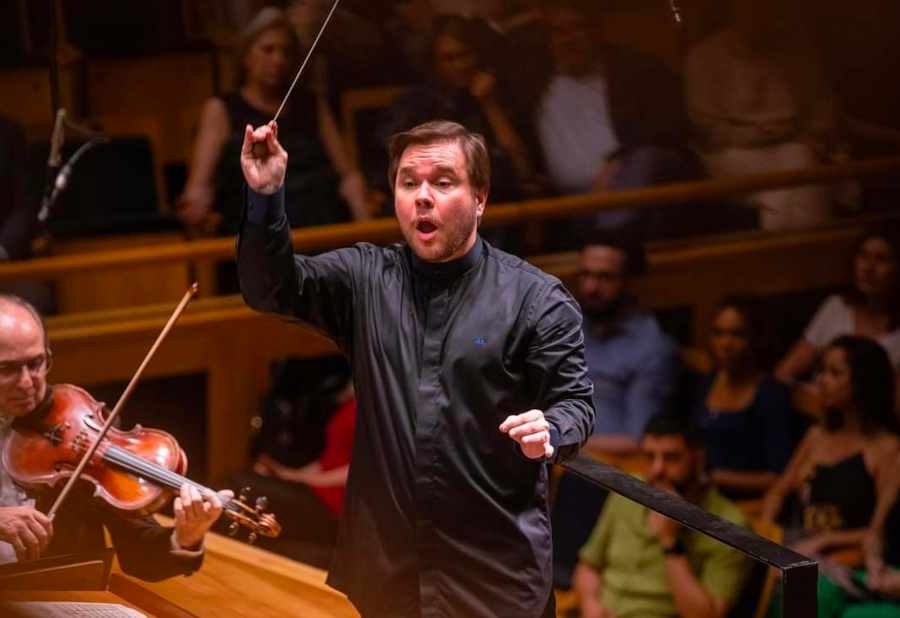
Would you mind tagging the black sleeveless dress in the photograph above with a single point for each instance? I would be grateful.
(311, 196)
(838, 497)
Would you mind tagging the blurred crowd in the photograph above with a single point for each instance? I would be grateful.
(744, 90)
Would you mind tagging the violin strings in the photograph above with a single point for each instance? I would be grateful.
(140, 466)
(137, 465)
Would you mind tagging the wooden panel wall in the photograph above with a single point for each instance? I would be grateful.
(125, 287)
(157, 85)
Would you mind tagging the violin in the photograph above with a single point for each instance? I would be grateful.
(135, 472)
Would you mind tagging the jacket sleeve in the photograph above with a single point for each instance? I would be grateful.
(317, 291)
(145, 551)
(556, 369)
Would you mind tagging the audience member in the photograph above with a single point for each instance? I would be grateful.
(463, 89)
(322, 180)
(837, 473)
(607, 118)
(314, 492)
(19, 213)
(631, 362)
(869, 308)
(759, 102)
(18, 217)
(874, 592)
(639, 564)
(744, 412)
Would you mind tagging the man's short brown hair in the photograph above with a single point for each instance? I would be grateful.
(472, 145)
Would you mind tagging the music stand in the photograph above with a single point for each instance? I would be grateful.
(84, 571)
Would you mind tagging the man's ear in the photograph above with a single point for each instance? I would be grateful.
(480, 203)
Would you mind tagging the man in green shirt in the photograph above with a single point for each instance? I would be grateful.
(639, 564)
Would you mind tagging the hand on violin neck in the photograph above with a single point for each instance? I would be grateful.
(28, 531)
(195, 514)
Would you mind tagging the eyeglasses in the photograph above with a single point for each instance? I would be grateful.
(37, 366)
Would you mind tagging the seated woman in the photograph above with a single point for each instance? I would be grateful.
(465, 91)
(875, 592)
(840, 469)
(314, 492)
(326, 477)
(870, 308)
(322, 180)
(744, 412)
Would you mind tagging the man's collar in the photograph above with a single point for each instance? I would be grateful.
(448, 270)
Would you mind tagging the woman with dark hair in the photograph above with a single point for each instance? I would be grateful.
(869, 308)
(322, 180)
(744, 411)
(842, 466)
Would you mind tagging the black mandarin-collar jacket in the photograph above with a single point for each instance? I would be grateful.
(443, 515)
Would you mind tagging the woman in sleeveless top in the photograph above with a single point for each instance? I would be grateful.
(324, 185)
(744, 412)
(842, 466)
(869, 308)
(875, 591)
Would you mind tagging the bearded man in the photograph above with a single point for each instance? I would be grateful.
(469, 370)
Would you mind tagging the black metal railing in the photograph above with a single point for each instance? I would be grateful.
(800, 574)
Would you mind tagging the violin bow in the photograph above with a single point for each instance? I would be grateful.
(126, 394)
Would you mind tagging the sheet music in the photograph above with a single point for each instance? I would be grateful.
(67, 609)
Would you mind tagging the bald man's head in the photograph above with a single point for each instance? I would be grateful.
(12, 305)
(24, 357)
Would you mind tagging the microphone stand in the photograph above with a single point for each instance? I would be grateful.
(62, 180)
(676, 12)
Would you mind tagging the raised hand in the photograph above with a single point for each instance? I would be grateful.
(28, 531)
(263, 174)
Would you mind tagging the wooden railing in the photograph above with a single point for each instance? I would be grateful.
(386, 230)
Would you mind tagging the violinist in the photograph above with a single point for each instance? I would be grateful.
(146, 550)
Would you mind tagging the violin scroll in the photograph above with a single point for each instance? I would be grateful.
(253, 518)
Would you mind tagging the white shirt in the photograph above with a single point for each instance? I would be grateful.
(738, 100)
(835, 318)
(10, 494)
(576, 131)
